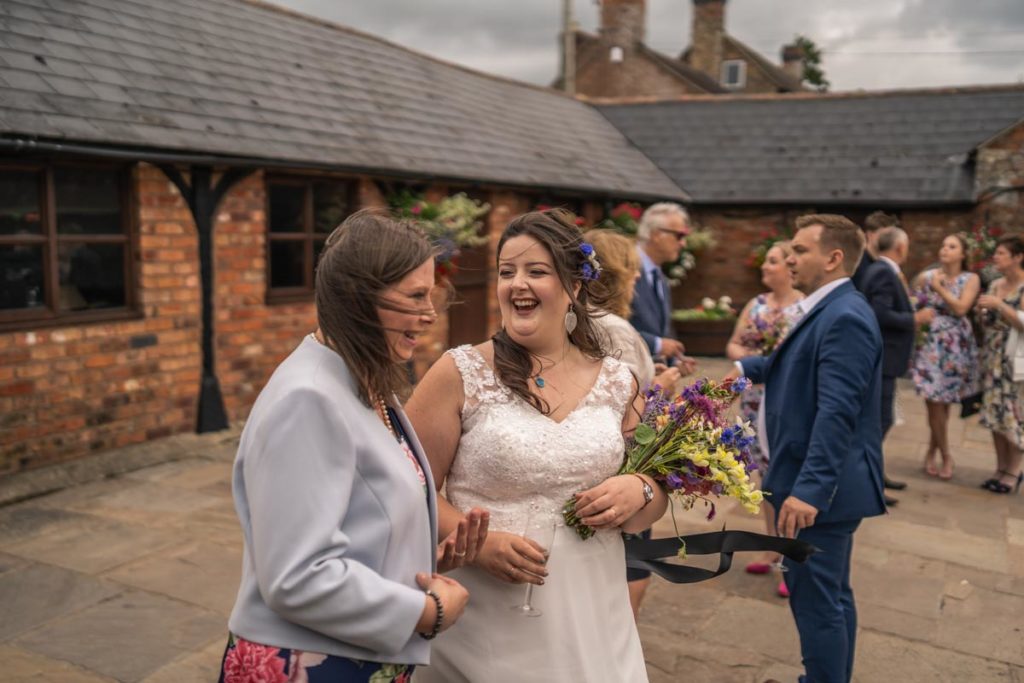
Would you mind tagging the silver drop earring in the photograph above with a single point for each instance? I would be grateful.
(570, 320)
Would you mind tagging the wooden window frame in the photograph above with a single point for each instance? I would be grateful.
(308, 236)
(50, 315)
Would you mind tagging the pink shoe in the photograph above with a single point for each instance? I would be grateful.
(783, 591)
(758, 568)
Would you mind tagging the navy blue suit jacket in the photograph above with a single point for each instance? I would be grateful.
(822, 410)
(650, 315)
(888, 299)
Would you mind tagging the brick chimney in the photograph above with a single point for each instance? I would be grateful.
(622, 22)
(793, 61)
(706, 38)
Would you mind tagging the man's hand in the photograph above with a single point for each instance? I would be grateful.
(672, 348)
(924, 316)
(794, 515)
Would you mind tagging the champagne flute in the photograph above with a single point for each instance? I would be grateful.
(539, 528)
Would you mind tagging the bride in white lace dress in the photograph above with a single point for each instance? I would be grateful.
(517, 426)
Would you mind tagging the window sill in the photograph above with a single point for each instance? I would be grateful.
(27, 323)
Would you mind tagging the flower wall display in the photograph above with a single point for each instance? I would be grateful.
(709, 309)
(451, 224)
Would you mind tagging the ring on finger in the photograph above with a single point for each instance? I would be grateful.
(458, 554)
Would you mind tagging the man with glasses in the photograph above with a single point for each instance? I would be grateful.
(660, 236)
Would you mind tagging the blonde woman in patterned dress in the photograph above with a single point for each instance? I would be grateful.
(1002, 404)
(945, 364)
(518, 425)
(767, 312)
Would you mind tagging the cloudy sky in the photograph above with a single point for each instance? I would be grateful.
(868, 44)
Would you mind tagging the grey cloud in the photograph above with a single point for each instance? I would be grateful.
(519, 39)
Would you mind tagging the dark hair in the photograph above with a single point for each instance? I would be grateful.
(838, 232)
(363, 256)
(879, 220)
(556, 231)
(1013, 243)
(965, 262)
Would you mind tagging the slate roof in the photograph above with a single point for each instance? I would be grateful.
(905, 148)
(243, 79)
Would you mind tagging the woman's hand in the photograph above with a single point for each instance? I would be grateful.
(609, 504)
(938, 282)
(988, 302)
(512, 559)
(453, 599)
(667, 377)
(461, 546)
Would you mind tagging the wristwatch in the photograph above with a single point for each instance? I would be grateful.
(648, 490)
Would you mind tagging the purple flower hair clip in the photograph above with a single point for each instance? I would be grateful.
(591, 269)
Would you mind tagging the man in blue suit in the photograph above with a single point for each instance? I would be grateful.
(660, 236)
(820, 424)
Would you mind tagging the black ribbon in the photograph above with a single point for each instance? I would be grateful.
(644, 553)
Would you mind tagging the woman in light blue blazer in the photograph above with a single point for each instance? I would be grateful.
(334, 494)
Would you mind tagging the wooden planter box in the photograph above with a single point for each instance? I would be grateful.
(704, 337)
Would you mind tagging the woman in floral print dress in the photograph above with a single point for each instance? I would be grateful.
(945, 363)
(1002, 406)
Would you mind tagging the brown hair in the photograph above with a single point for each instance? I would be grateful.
(838, 232)
(367, 253)
(879, 220)
(556, 231)
(620, 264)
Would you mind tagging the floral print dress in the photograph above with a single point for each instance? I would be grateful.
(766, 329)
(1002, 403)
(945, 364)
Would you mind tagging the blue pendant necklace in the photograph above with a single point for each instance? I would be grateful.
(537, 379)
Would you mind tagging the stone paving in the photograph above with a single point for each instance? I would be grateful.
(131, 577)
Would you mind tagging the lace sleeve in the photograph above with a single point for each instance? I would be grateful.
(478, 381)
(617, 386)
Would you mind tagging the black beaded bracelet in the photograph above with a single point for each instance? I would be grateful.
(438, 620)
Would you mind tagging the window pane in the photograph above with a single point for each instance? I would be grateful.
(19, 203)
(88, 201)
(21, 277)
(330, 205)
(91, 276)
(287, 263)
(287, 207)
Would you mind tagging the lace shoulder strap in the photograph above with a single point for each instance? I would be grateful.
(614, 385)
(478, 381)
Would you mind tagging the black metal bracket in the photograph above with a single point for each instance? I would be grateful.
(203, 197)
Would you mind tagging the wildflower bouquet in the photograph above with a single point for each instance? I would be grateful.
(763, 335)
(686, 444)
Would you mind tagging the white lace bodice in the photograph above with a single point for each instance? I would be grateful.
(512, 459)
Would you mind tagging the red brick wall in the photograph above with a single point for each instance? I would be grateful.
(68, 391)
(724, 270)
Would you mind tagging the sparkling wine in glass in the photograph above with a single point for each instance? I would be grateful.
(540, 528)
